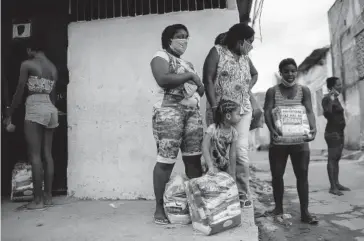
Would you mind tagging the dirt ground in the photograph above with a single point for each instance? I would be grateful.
(341, 218)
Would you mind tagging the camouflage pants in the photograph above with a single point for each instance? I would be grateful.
(174, 128)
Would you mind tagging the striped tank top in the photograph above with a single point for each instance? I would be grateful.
(280, 100)
(295, 102)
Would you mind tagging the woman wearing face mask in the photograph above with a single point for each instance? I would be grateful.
(289, 94)
(177, 121)
(227, 76)
(334, 133)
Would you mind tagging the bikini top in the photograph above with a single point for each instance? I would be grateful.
(40, 85)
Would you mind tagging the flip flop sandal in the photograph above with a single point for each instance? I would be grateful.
(281, 221)
(25, 208)
(312, 220)
(48, 204)
(35, 209)
(269, 214)
(161, 221)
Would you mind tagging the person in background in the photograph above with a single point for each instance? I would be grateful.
(227, 75)
(334, 133)
(289, 93)
(39, 74)
(177, 120)
(219, 143)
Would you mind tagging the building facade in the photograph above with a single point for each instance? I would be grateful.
(313, 72)
(346, 22)
(111, 91)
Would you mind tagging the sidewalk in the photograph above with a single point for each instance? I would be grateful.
(78, 220)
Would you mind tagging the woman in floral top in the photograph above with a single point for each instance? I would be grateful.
(227, 75)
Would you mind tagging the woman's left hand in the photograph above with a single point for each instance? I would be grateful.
(201, 90)
(7, 121)
(312, 134)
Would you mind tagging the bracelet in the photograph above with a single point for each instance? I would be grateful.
(214, 107)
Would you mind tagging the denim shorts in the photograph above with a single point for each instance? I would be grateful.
(40, 109)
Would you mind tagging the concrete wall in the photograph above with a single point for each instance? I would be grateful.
(360, 57)
(315, 79)
(110, 97)
(346, 23)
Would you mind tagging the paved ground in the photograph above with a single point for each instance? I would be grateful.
(342, 218)
(97, 220)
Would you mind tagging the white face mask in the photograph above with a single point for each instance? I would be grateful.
(288, 84)
(179, 46)
(246, 48)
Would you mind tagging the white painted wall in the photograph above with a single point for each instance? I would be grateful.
(315, 79)
(110, 96)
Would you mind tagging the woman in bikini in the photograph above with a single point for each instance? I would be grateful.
(39, 74)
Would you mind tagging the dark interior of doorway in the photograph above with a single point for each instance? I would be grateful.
(49, 19)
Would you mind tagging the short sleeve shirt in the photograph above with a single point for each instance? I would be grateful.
(221, 140)
(177, 66)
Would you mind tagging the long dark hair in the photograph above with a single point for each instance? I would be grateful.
(224, 107)
(239, 31)
(220, 39)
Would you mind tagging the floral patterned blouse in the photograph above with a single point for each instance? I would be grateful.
(233, 78)
(177, 95)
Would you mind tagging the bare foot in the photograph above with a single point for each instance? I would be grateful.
(35, 206)
(342, 188)
(336, 192)
(48, 200)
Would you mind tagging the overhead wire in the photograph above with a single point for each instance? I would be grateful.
(257, 14)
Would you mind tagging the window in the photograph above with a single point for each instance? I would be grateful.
(87, 10)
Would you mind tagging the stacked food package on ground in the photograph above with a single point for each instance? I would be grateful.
(175, 201)
(21, 183)
(213, 200)
(292, 122)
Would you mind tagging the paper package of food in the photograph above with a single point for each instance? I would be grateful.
(214, 203)
(21, 182)
(292, 122)
(175, 201)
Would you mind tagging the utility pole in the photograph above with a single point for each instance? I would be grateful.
(244, 8)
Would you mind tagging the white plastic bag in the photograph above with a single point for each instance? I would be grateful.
(175, 201)
(21, 183)
(214, 203)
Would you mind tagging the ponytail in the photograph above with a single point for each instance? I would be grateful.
(220, 39)
(224, 107)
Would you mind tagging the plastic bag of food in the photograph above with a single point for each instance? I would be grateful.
(175, 201)
(21, 182)
(292, 122)
(214, 203)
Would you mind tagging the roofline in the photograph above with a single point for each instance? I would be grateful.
(332, 6)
